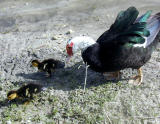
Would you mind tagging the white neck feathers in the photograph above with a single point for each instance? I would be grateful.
(81, 43)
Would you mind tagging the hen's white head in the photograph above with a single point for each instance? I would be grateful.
(78, 44)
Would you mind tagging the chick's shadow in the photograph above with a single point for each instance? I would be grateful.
(7, 103)
(67, 78)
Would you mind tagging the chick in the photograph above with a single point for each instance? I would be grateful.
(26, 92)
(48, 65)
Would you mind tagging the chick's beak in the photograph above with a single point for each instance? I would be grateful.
(12, 96)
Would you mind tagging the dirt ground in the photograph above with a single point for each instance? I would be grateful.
(39, 29)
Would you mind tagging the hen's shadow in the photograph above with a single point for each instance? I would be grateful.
(68, 78)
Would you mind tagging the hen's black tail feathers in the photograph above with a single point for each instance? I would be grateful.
(124, 19)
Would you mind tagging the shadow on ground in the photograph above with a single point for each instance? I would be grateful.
(7, 103)
(69, 78)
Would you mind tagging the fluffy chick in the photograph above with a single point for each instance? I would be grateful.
(26, 92)
(48, 65)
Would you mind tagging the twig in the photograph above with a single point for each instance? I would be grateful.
(85, 80)
(42, 46)
(110, 122)
(79, 66)
(109, 119)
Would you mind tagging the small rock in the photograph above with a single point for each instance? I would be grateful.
(26, 4)
(63, 26)
(9, 122)
(54, 38)
(28, 121)
(69, 32)
(44, 35)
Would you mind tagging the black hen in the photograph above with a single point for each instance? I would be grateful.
(128, 43)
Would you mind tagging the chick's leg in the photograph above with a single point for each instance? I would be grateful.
(27, 102)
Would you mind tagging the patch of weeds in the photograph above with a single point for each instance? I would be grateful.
(1, 88)
(56, 106)
(13, 106)
(8, 114)
(84, 107)
(54, 111)
(50, 122)
(53, 99)
(36, 118)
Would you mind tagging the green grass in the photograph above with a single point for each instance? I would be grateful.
(115, 103)
(83, 107)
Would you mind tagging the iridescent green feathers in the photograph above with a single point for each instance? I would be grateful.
(130, 31)
(127, 29)
(145, 16)
(124, 19)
